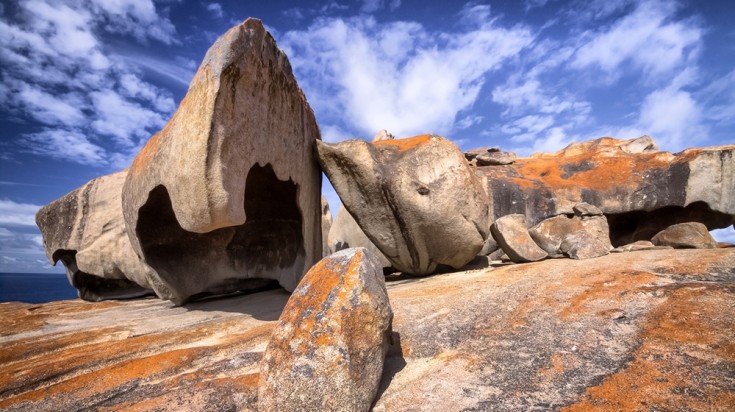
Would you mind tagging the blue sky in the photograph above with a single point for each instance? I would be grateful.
(85, 83)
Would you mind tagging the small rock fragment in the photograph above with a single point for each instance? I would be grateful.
(495, 158)
(586, 209)
(512, 235)
(382, 135)
(689, 235)
(328, 349)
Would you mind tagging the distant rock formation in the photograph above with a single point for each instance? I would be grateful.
(85, 230)
(326, 226)
(640, 190)
(346, 233)
(327, 351)
(416, 199)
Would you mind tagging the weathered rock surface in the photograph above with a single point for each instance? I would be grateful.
(685, 235)
(382, 135)
(228, 193)
(346, 233)
(584, 244)
(650, 330)
(327, 351)
(326, 226)
(512, 235)
(85, 230)
(416, 199)
(638, 246)
(640, 190)
(550, 233)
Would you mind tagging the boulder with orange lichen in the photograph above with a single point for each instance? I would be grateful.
(327, 351)
(640, 190)
(416, 199)
(227, 195)
(85, 230)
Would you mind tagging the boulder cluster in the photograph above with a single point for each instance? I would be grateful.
(226, 198)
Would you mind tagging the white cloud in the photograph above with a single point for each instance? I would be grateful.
(371, 6)
(57, 71)
(17, 214)
(646, 39)
(397, 76)
(215, 9)
(67, 145)
(332, 133)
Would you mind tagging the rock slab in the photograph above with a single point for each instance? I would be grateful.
(416, 199)
(650, 330)
(346, 233)
(327, 351)
(512, 235)
(641, 190)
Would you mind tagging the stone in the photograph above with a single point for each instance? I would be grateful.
(512, 235)
(345, 233)
(85, 230)
(685, 235)
(326, 227)
(416, 199)
(227, 195)
(615, 333)
(586, 209)
(640, 190)
(327, 351)
(584, 244)
(550, 233)
(382, 135)
(496, 158)
(638, 246)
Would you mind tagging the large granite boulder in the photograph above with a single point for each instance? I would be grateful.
(687, 235)
(641, 190)
(327, 351)
(346, 233)
(85, 230)
(416, 199)
(228, 193)
(512, 235)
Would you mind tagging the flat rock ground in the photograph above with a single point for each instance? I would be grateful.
(648, 331)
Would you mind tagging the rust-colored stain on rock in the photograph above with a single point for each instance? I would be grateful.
(405, 144)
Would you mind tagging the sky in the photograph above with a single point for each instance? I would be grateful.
(85, 83)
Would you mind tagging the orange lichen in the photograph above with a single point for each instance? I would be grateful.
(406, 143)
(681, 340)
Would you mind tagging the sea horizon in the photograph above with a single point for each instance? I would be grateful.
(35, 287)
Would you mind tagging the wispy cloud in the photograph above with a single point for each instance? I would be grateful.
(398, 76)
(215, 9)
(17, 214)
(57, 71)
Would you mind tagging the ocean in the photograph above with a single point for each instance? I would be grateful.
(35, 287)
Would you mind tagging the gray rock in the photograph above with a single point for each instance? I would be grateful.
(227, 195)
(690, 235)
(328, 349)
(550, 233)
(584, 244)
(495, 158)
(638, 246)
(85, 230)
(586, 209)
(416, 199)
(512, 235)
(346, 233)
